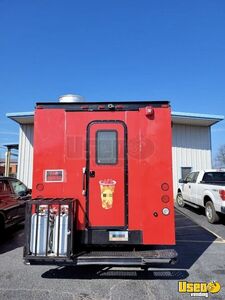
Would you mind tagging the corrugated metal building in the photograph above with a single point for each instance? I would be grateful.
(191, 143)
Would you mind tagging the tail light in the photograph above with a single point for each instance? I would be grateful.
(149, 111)
(165, 186)
(222, 194)
(40, 187)
(165, 198)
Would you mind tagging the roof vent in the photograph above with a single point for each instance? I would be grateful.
(71, 98)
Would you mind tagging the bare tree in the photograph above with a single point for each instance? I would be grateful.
(220, 157)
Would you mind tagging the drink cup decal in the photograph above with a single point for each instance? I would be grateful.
(107, 187)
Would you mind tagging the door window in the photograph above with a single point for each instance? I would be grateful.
(190, 177)
(106, 147)
(194, 178)
(19, 188)
(214, 177)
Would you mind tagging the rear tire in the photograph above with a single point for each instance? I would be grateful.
(211, 213)
(180, 200)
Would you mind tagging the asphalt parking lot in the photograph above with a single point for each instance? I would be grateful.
(201, 250)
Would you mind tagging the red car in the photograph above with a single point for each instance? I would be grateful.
(13, 195)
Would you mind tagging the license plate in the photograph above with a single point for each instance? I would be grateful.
(117, 236)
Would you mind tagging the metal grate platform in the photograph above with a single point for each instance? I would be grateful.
(164, 253)
(128, 258)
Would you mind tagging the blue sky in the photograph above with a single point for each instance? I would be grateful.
(113, 50)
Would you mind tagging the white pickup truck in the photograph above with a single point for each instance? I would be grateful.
(204, 189)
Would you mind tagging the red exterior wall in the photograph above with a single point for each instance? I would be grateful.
(60, 143)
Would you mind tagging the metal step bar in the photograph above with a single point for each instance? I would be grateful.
(140, 257)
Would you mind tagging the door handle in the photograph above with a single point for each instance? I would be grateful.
(92, 173)
(84, 183)
(189, 186)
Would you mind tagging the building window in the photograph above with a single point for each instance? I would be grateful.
(185, 171)
(106, 147)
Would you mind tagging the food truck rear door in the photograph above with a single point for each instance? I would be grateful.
(106, 175)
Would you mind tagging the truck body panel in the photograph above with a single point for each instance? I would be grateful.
(115, 160)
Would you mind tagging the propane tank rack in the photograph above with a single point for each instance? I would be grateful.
(49, 227)
(50, 230)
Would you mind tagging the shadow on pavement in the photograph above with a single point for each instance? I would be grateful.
(12, 238)
(192, 241)
(99, 272)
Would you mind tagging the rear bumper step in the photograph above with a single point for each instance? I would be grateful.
(112, 258)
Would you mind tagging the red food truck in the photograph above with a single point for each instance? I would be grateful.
(102, 184)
